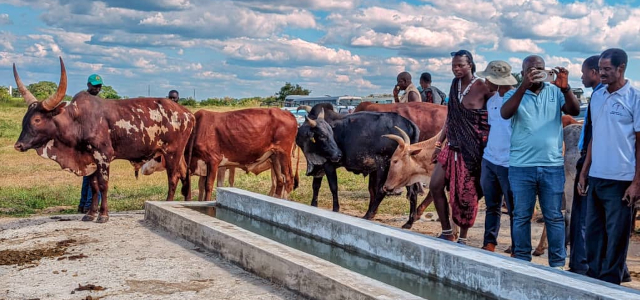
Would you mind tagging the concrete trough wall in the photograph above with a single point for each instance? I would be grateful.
(312, 277)
(478, 270)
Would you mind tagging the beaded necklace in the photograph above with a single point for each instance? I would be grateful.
(466, 90)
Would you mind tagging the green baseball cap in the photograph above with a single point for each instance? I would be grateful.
(95, 79)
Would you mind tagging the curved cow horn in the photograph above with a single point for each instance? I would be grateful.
(312, 123)
(395, 138)
(321, 115)
(28, 97)
(305, 107)
(404, 135)
(55, 99)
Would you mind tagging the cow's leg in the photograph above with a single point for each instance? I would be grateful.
(425, 203)
(103, 185)
(172, 164)
(286, 171)
(212, 169)
(542, 245)
(220, 179)
(378, 177)
(317, 182)
(277, 168)
(412, 192)
(202, 181)
(232, 176)
(372, 196)
(332, 178)
(274, 182)
(95, 192)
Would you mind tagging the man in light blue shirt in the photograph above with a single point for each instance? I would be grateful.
(613, 184)
(494, 175)
(536, 165)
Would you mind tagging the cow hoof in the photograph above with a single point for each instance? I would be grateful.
(102, 219)
(88, 218)
(537, 252)
(407, 225)
(367, 217)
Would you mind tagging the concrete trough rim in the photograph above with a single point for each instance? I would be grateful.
(366, 288)
(538, 273)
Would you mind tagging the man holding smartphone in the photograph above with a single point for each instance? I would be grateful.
(613, 184)
(536, 164)
(411, 93)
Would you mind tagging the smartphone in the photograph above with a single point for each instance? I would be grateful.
(544, 76)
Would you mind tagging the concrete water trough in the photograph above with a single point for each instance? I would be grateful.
(326, 255)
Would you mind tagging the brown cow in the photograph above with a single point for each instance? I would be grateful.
(247, 139)
(410, 163)
(429, 117)
(86, 135)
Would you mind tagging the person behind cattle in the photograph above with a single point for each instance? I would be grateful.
(577, 255)
(536, 164)
(94, 85)
(430, 93)
(174, 96)
(494, 175)
(613, 183)
(458, 163)
(411, 93)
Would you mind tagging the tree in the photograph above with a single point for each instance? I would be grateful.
(518, 77)
(290, 89)
(4, 94)
(107, 92)
(43, 89)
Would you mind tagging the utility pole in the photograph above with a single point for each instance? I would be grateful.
(194, 94)
(149, 90)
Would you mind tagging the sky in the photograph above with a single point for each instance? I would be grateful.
(251, 48)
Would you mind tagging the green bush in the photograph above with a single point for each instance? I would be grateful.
(4, 94)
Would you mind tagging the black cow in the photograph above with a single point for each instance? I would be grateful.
(353, 141)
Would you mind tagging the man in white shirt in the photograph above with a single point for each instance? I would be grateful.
(494, 176)
(613, 183)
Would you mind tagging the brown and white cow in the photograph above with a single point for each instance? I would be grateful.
(85, 136)
(428, 117)
(254, 140)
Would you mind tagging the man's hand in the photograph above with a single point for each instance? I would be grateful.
(562, 78)
(583, 184)
(527, 79)
(632, 194)
(396, 90)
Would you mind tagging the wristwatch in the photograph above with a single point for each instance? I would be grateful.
(566, 90)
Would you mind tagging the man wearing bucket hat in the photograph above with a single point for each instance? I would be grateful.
(94, 85)
(494, 176)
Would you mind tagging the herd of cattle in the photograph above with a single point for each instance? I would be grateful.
(390, 143)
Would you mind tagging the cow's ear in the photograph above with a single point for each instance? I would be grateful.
(59, 109)
(415, 152)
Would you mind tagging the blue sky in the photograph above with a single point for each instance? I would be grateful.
(252, 47)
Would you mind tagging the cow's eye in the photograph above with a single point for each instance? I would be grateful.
(395, 161)
(37, 120)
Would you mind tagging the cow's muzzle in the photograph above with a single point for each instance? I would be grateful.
(336, 157)
(20, 147)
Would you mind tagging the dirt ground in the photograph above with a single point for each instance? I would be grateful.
(61, 257)
(65, 258)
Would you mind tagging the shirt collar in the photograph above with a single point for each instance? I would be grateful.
(544, 86)
(599, 86)
(623, 90)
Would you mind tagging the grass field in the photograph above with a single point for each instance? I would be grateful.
(30, 184)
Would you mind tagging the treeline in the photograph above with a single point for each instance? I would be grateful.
(229, 101)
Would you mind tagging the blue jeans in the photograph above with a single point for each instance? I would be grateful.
(494, 180)
(86, 194)
(578, 251)
(608, 229)
(548, 184)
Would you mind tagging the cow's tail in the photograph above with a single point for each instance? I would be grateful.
(186, 185)
(296, 178)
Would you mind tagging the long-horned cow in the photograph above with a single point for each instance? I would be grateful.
(86, 135)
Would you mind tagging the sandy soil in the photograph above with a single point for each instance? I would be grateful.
(124, 259)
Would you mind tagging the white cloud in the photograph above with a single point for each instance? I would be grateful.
(520, 45)
(4, 19)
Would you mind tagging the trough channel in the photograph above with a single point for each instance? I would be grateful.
(327, 255)
(404, 279)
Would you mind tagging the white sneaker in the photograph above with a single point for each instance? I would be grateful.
(561, 268)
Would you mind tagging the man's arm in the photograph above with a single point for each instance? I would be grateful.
(510, 107)
(582, 177)
(571, 104)
(633, 192)
(414, 97)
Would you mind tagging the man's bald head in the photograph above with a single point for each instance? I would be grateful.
(404, 80)
(532, 61)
